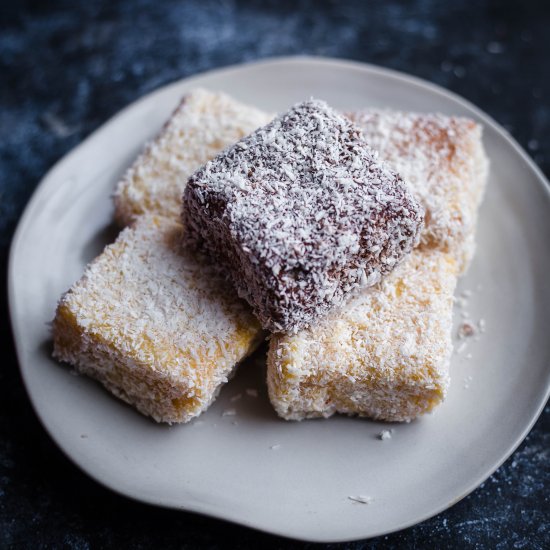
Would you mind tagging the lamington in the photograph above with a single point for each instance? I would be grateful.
(154, 324)
(202, 125)
(443, 160)
(301, 215)
(385, 357)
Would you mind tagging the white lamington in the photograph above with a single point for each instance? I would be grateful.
(385, 357)
(156, 326)
(443, 160)
(202, 125)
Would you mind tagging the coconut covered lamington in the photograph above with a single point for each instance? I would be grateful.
(153, 324)
(202, 125)
(385, 357)
(443, 160)
(301, 214)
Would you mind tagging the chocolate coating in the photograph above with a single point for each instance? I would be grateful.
(300, 214)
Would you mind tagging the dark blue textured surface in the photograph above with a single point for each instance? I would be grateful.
(65, 67)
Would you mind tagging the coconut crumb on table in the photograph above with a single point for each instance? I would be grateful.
(275, 447)
(466, 330)
(236, 397)
(251, 392)
(229, 412)
(385, 435)
(460, 348)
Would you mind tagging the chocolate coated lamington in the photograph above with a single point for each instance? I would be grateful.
(300, 215)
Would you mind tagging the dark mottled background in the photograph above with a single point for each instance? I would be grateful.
(66, 67)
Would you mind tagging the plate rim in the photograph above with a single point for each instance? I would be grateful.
(26, 219)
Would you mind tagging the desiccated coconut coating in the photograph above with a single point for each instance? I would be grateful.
(301, 214)
(443, 161)
(155, 326)
(385, 357)
(201, 126)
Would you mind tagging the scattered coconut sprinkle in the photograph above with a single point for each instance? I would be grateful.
(57, 125)
(236, 398)
(460, 302)
(229, 412)
(460, 348)
(482, 325)
(275, 447)
(251, 392)
(467, 330)
(384, 435)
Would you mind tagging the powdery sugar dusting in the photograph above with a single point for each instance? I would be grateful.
(302, 214)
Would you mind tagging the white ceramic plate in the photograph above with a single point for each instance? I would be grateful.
(224, 466)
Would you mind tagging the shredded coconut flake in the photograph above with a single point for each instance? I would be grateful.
(467, 330)
(461, 347)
